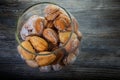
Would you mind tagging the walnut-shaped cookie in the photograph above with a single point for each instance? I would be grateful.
(62, 22)
(33, 26)
(44, 60)
(25, 54)
(51, 12)
(38, 43)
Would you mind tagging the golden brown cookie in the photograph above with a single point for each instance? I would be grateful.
(72, 45)
(44, 60)
(25, 54)
(64, 36)
(38, 43)
(49, 9)
(75, 27)
(33, 26)
(62, 22)
(39, 25)
(51, 12)
(50, 35)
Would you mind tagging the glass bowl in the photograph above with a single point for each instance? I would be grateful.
(69, 50)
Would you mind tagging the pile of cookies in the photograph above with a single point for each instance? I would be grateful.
(47, 40)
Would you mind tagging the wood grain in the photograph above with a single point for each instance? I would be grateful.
(99, 49)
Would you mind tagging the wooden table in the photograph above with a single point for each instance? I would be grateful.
(99, 49)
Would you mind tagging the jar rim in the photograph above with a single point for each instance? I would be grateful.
(51, 52)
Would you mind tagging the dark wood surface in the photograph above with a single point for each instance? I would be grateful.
(99, 49)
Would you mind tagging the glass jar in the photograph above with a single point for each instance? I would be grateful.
(64, 29)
